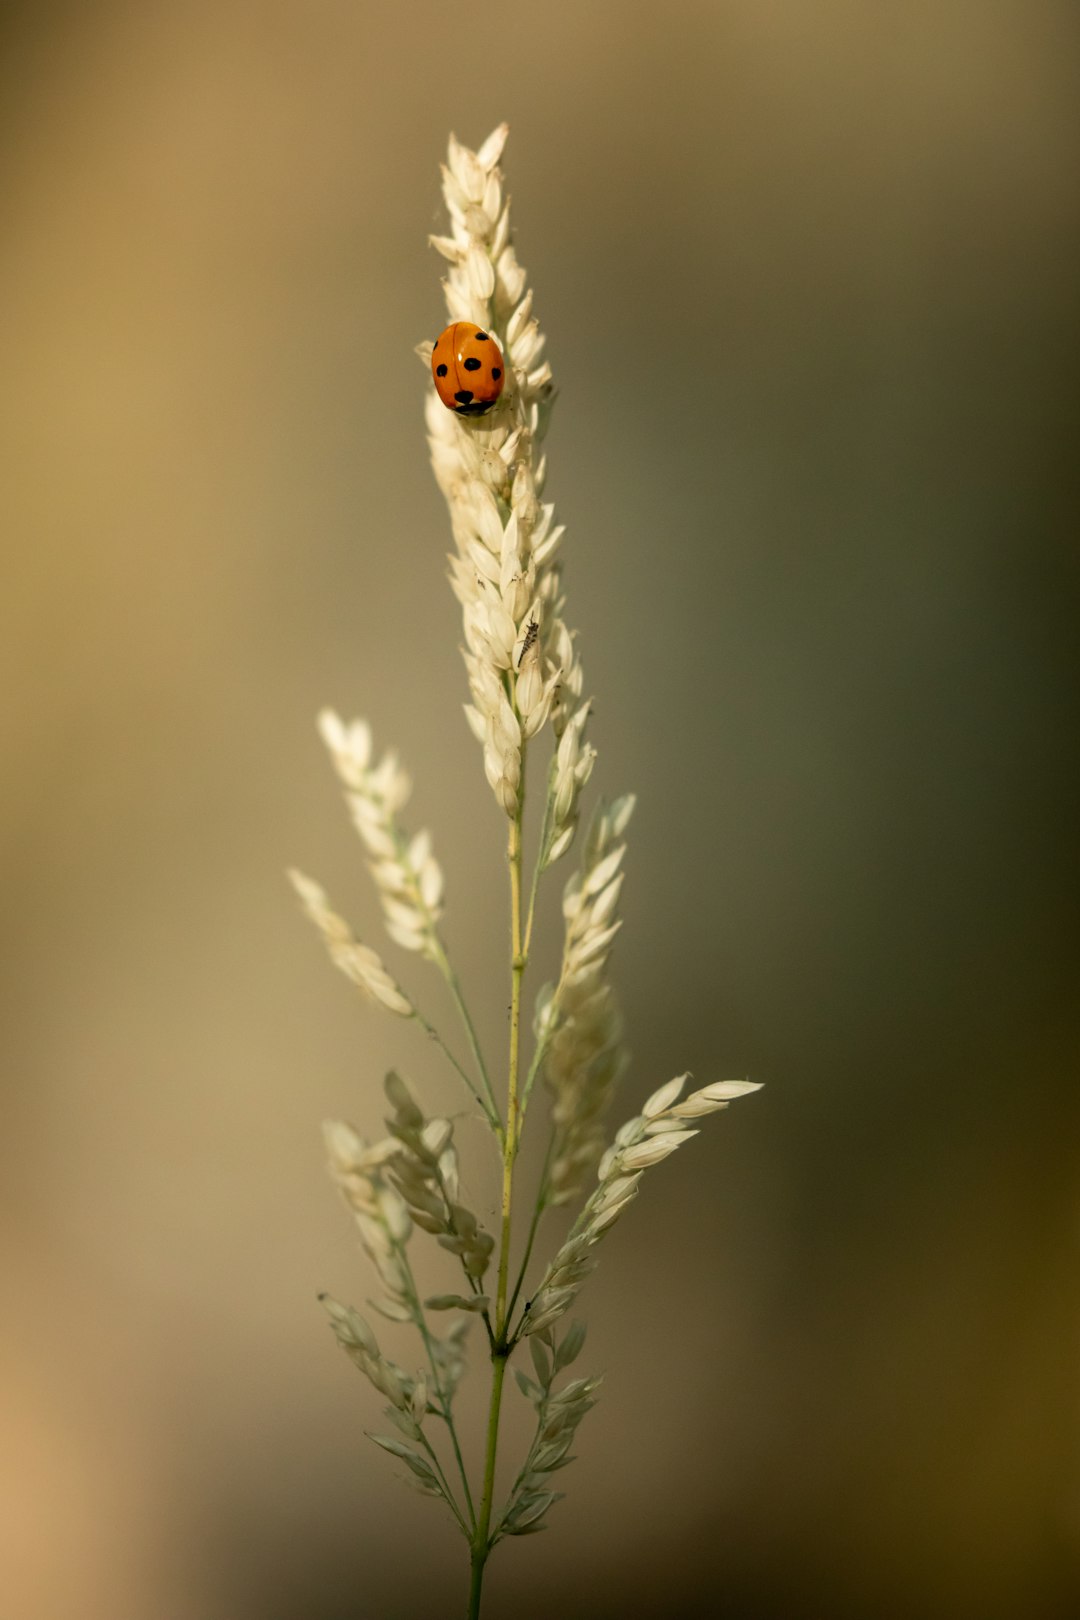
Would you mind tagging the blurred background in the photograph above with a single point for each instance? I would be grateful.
(808, 278)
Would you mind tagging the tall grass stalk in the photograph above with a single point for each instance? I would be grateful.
(525, 679)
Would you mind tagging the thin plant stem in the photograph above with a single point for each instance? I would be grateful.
(517, 974)
(543, 1043)
(481, 1545)
(490, 1114)
(541, 856)
(541, 1047)
(447, 1492)
(534, 1069)
(541, 1206)
(442, 961)
(413, 1296)
(472, 1281)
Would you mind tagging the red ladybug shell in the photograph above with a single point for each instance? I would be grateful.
(467, 366)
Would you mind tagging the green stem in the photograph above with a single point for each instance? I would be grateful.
(534, 1066)
(442, 961)
(490, 1113)
(510, 1143)
(541, 856)
(541, 1205)
(481, 1542)
(544, 1041)
(413, 1296)
(447, 1492)
(481, 1546)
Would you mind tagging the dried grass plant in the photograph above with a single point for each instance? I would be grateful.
(525, 678)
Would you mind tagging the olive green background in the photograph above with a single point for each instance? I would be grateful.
(808, 277)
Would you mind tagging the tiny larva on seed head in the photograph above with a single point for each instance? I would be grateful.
(532, 630)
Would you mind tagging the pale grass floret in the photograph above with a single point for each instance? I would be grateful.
(589, 904)
(519, 656)
(382, 1216)
(584, 1062)
(360, 1345)
(558, 1413)
(524, 674)
(643, 1141)
(409, 882)
(407, 875)
(577, 1022)
(358, 962)
(425, 1174)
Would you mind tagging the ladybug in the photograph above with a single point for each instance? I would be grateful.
(467, 366)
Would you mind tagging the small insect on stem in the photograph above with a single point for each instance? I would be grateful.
(532, 630)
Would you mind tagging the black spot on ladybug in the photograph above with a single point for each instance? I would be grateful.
(440, 371)
(464, 396)
(481, 337)
(472, 364)
(496, 373)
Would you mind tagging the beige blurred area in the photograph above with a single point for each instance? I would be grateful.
(808, 277)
